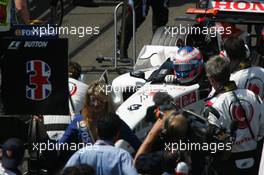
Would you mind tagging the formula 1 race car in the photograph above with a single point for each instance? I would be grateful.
(205, 27)
(213, 21)
(134, 91)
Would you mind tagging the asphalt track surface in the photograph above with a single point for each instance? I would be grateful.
(84, 50)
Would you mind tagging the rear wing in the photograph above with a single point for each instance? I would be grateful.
(245, 6)
(239, 12)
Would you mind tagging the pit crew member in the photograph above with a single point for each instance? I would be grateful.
(235, 112)
(245, 75)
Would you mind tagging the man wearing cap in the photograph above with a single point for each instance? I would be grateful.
(12, 155)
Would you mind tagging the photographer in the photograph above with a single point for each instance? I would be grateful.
(238, 113)
(169, 128)
(162, 103)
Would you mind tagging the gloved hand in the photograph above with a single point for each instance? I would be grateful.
(170, 78)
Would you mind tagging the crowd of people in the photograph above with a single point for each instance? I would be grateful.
(233, 114)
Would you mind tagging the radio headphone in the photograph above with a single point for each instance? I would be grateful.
(159, 113)
(161, 108)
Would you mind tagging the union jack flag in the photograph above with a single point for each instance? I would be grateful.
(39, 85)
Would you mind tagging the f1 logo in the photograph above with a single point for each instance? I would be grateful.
(39, 85)
(14, 45)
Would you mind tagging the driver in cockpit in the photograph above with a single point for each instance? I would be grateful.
(185, 67)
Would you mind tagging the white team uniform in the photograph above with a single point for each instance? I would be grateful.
(77, 90)
(229, 109)
(251, 78)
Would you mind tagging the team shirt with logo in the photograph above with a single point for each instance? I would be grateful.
(77, 90)
(230, 110)
(251, 78)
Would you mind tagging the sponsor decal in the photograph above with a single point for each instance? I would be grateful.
(256, 85)
(83, 124)
(189, 98)
(239, 6)
(72, 88)
(236, 112)
(134, 107)
(34, 31)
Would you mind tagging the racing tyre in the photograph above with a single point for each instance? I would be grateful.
(168, 36)
(56, 12)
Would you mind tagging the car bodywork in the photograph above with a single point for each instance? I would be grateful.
(133, 107)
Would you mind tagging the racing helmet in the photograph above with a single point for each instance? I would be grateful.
(187, 64)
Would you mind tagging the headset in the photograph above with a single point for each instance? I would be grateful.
(164, 133)
(161, 108)
(197, 130)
